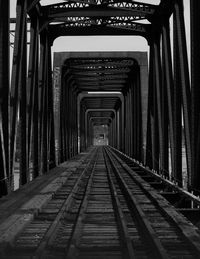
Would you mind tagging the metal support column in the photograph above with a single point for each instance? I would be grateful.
(32, 90)
(177, 173)
(195, 92)
(50, 105)
(4, 97)
(45, 102)
(167, 66)
(18, 93)
(165, 117)
(131, 121)
(182, 66)
(158, 85)
(149, 140)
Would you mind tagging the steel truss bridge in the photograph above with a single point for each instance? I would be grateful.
(43, 127)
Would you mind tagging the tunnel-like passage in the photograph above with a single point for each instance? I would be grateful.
(101, 89)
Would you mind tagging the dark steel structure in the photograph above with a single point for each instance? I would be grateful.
(49, 121)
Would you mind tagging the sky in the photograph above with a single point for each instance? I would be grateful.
(104, 43)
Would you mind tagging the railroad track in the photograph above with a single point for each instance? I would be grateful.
(106, 211)
(168, 233)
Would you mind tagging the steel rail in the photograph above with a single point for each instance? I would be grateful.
(67, 203)
(75, 237)
(189, 234)
(173, 185)
(126, 239)
(142, 219)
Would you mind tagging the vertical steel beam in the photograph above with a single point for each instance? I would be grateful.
(50, 109)
(36, 114)
(154, 118)
(24, 170)
(139, 118)
(73, 121)
(63, 119)
(154, 84)
(122, 125)
(184, 77)
(67, 120)
(177, 173)
(76, 124)
(118, 129)
(149, 161)
(129, 123)
(57, 88)
(167, 60)
(135, 116)
(43, 101)
(148, 156)
(165, 117)
(4, 96)
(125, 122)
(158, 84)
(82, 127)
(70, 114)
(131, 120)
(33, 97)
(195, 92)
(18, 96)
(47, 85)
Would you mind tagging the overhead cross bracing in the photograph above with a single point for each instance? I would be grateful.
(98, 17)
(100, 74)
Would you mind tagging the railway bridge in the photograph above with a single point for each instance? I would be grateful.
(99, 150)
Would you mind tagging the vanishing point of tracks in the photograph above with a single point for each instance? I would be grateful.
(105, 211)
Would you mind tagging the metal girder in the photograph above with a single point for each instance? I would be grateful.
(115, 29)
(99, 118)
(134, 8)
(98, 63)
(100, 73)
(100, 77)
(106, 88)
(114, 15)
(101, 11)
(109, 71)
(100, 82)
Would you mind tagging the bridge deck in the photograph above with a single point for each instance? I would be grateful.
(96, 206)
(19, 207)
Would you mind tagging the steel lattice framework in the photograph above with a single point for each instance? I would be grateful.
(27, 102)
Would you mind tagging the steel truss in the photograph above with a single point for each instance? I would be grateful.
(26, 106)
